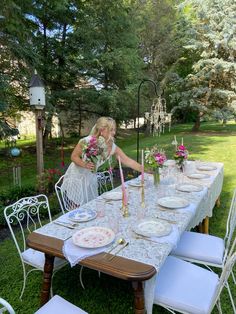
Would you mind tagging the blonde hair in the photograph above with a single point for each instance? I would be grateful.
(103, 123)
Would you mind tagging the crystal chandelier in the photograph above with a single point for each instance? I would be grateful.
(158, 117)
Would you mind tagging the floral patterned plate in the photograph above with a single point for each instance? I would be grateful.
(93, 237)
(173, 202)
(153, 228)
(112, 196)
(82, 214)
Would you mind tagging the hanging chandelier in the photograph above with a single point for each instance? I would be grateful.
(158, 117)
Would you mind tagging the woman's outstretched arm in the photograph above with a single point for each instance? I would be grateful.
(129, 162)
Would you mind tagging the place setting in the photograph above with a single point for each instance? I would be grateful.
(156, 230)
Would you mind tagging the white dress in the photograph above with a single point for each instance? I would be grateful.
(80, 185)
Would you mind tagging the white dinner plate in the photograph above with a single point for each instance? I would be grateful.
(136, 183)
(153, 228)
(82, 214)
(198, 176)
(173, 202)
(188, 187)
(114, 196)
(206, 168)
(93, 237)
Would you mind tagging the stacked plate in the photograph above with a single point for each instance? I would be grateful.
(173, 202)
(112, 196)
(93, 237)
(82, 214)
(188, 187)
(198, 175)
(153, 228)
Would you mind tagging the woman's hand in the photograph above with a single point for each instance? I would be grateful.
(89, 165)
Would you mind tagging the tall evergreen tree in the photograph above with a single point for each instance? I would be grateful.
(212, 83)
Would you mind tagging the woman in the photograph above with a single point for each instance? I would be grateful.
(80, 180)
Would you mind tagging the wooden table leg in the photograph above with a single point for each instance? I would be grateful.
(205, 225)
(47, 278)
(218, 202)
(138, 297)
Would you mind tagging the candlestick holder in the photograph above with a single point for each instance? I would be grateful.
(125, 211)
(142, 196)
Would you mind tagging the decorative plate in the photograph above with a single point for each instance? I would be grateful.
(114, 196)
(206, 168)
(82, 214)
(136, 183)
(93, 237)
(153, 228)
(198, 176)
(173, 202)
(188, 187)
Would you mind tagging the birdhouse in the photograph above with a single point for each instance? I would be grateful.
(37, 92)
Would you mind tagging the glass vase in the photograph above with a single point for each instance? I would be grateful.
(156, 176)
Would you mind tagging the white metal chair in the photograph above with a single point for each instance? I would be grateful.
(187, 288)
(105, 181)
(207, 249)
(6, 307)
(23, 217)
(58, 305)
(72, 197)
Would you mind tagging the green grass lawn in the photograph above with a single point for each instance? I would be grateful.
(108, 295)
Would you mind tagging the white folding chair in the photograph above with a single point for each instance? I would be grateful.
(58, 305)
(207, 249)
(23, 217)
(105, 181)
(187, 288)
(6, 307)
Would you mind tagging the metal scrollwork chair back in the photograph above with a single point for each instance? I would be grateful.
(23, 217)
(105, 181)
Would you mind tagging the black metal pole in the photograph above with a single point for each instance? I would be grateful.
(138, 111)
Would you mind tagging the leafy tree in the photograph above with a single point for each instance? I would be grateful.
(212, 83)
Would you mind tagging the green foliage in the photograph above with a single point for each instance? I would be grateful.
(10, 196)
(212, 83)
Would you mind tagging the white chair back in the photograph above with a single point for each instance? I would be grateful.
(231, 225)
(27, 214)
(226, 271)
(105, 181)
(23, 217)
(6, 307)
(71, 192)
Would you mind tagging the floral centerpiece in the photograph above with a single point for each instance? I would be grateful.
(154, 159)
(180, 156)
(95, 150)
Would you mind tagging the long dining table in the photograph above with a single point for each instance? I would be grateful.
(140, 261)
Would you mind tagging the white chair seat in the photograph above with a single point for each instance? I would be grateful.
(37, 259)
(200, 247)
(180, 285)
(58, 305)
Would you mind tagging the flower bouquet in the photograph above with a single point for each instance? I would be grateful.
(94, 150)
(180, 156)
(154, 159)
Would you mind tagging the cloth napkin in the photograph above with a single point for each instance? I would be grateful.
(74, 254)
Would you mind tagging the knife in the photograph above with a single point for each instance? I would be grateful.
(66, 225)
(111, 258)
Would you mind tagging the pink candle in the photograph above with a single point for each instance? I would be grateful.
(142, 173)
(122, 184)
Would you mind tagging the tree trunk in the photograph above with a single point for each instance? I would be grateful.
(47, 131)
(197, 123)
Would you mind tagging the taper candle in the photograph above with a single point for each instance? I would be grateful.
(123, 184)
